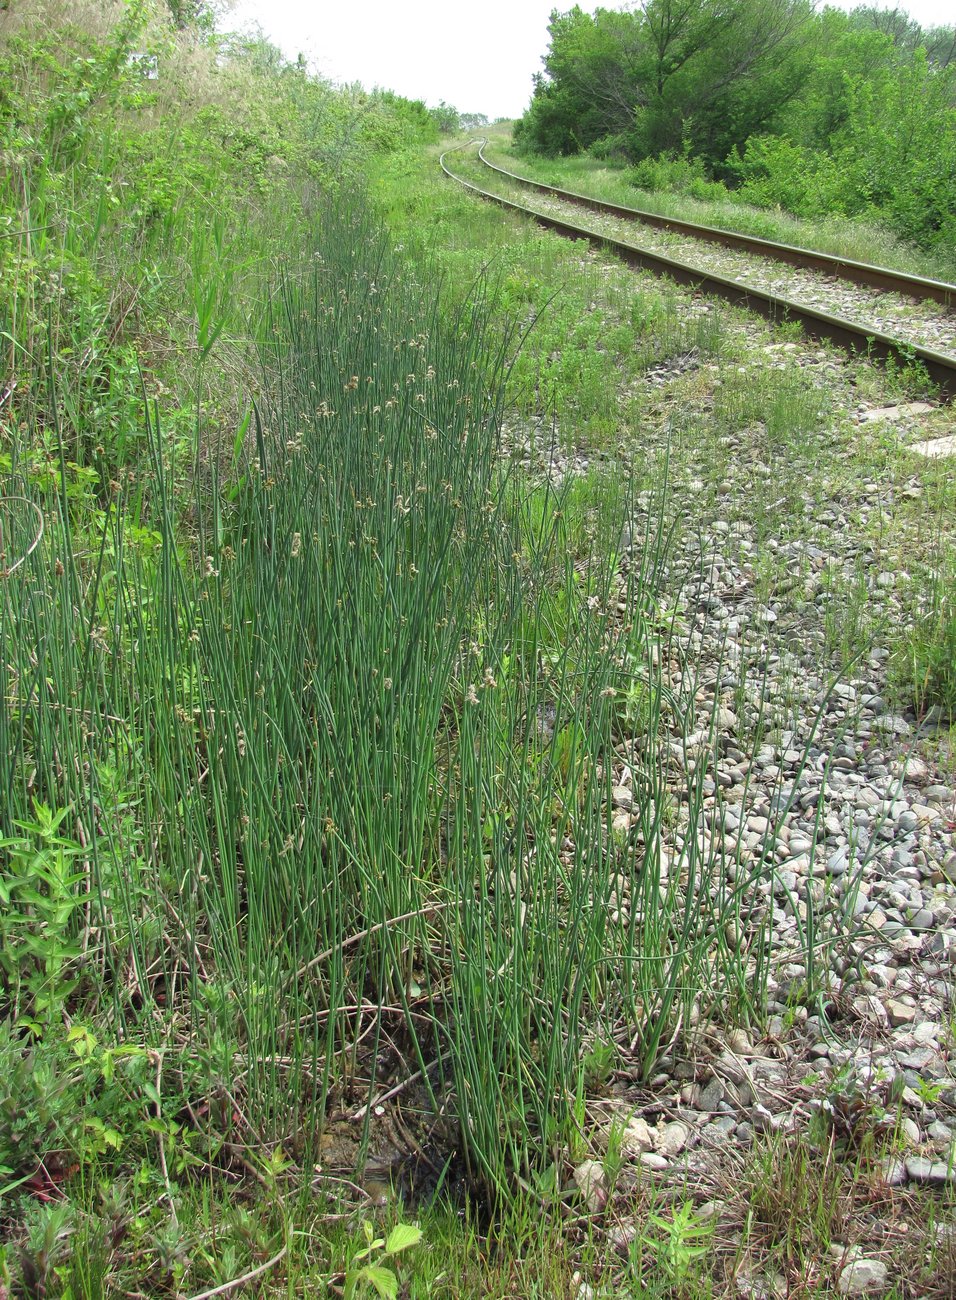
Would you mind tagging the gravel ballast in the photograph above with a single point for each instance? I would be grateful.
(792, 576)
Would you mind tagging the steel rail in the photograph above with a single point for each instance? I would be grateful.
(847, 334)
(844, 268)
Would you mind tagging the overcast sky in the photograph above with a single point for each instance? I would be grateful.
(479, 57)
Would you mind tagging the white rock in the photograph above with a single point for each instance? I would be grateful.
(896, 412)
(863, 1277)
(927, 1034)
(622, 1234)
(925, 813)
(763, 1120)
(651, 1160)
(591, 1181)
(671, 1139)
(910, 1129)
(580, 1289)
(937, 1172)
(900, 1013)
(637, 1137)
(935, 447)
(738, 1040)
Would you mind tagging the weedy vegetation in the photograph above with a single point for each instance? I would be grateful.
(314, 695)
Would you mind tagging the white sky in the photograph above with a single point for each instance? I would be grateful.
(479, 57)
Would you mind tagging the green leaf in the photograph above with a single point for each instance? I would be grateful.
(240, 441)
(208, 338)
(370, 1249)
(7, 1188)
(402, 1237)
(382, 1279)
(82, 1040)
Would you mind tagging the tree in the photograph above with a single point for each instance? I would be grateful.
(677, 30)
(193, 13)
(841, 53)
(446, 118)
(665, 73)
(940, 44)
(590, 84)
(907, 34)
(723, 69)
(894, 23)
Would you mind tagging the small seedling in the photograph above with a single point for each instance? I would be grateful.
(375, 1272)
(680, 1240)
(928, 1092)
(597, 1065)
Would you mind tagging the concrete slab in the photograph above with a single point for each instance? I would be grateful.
(900, 412)
(935, 447)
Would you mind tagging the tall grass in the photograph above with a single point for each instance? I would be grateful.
(338, 739)
(321, 713)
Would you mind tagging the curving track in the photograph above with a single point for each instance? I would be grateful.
(851, 335)
(844, 268)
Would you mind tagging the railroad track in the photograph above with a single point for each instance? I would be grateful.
(851, 335)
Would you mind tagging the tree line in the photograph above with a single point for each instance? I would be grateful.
(815, 111)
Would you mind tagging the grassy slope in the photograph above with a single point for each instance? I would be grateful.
(178, 793)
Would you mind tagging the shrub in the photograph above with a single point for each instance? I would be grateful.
(610, 147)
(677, 175)
(925, 662)
(776, 173)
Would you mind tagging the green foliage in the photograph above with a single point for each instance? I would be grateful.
(39, 897)
(775, 172)
(375, 1274)
(192, 13)
(448, 120)
(891, 152)
(816, 113)
(678, 174)
(679, 1240)
(65, 1099)
(924, 664)
(351, 656)
(664, 74)
(596, 1065)
(332, 696)
(373, 686)
(584, 95)
(898, 149)
(136, 213)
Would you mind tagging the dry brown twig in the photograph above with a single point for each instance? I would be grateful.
(246, 1277)
(5, 501)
